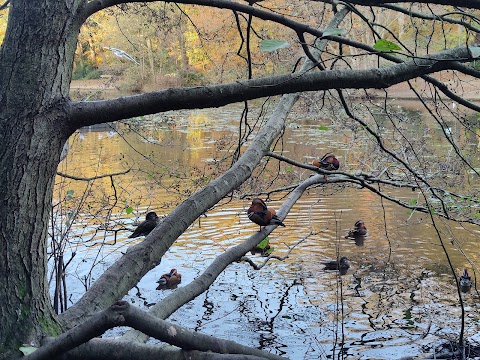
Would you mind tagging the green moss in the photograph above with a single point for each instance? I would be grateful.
(49, 326)
(25, 312)
(21, 291)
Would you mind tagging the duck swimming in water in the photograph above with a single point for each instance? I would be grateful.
(172, 279)
(465, 282)
(359, 229)
(261, 215)
(151, 221)
(342, 265)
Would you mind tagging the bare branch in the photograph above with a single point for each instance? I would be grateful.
(124, 314)
(366, 180)
(4, 5)
(280, 258)
(108, 349)
(93, 177)
(88, 113)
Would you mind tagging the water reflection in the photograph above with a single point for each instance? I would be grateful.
(396, 296)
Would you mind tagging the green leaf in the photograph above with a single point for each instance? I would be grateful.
(272, 45)
(386, 46)
(334, 32)
(323, 127)
(129, 210)
(27, 350)
(263, 243)
(69, 194)
(478, 215)
(289, 169)
(475, 51)
(412, 202)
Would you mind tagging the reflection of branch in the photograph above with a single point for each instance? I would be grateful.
(123, 314)
(93, 177)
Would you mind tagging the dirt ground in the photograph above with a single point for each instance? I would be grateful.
(93, 84)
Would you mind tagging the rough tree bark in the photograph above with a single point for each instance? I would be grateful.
(36, 61)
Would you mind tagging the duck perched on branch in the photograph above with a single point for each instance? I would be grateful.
(261, 215)
(172, 279)
(151, 221)
(327, 162)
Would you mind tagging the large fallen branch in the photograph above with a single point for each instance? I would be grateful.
(123, 314)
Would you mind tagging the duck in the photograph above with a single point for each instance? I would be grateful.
(342, 265)
(260, 214)
(172, 279)
(327, 162)
(337, 264)
(151, 221)
(465, 282)
(359, 230)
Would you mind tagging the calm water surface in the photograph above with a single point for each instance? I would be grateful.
(397, 299)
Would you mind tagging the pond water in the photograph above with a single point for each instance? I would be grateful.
(398, 298)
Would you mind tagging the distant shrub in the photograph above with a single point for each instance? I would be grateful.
(192, 78)
(86, 72)
(131, 81)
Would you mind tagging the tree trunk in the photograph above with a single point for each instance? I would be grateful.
(151, 58)
(184, 65)
(34, 128)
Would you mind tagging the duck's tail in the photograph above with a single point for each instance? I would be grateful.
(276, 221)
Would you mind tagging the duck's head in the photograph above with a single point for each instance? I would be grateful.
(343, 262)
(335, 163)
(360, 224)
(152, 216)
